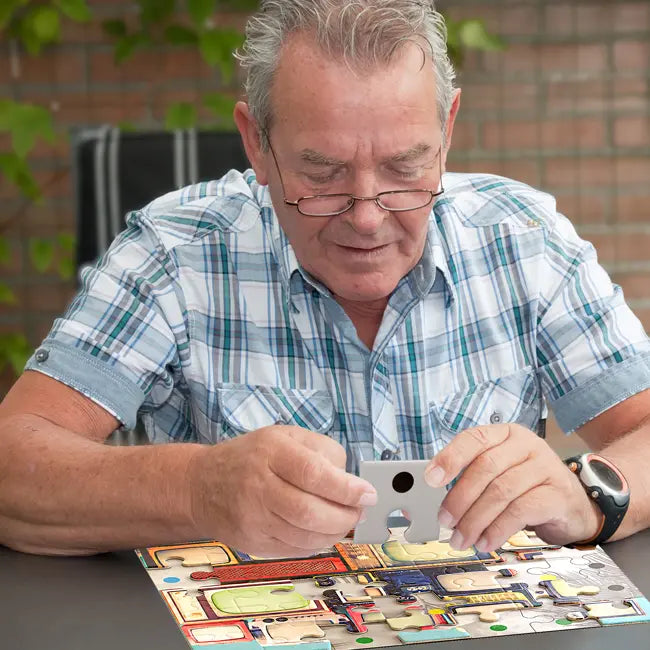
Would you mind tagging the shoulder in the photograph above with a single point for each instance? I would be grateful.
(232, 203)
(480, 201)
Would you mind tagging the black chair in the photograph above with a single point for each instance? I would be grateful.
(116, 172)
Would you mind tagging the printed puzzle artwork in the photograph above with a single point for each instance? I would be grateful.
(390, 594)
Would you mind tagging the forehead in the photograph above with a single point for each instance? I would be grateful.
(389, 107)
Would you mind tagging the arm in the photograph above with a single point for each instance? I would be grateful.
(622, 434)
(62, 491)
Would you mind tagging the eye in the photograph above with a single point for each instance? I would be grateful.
(408, 174)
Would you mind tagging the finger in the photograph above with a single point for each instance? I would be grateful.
(462, 450)
(532, 508)
(476, 478)
(497, 497)
(307, 541)
(309, 512)
(320, 443)
(305, 469)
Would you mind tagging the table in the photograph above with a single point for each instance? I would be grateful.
(108, 602)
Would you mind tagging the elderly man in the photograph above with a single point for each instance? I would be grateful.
(344, 300)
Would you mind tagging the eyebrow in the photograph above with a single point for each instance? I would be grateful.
(318, 158)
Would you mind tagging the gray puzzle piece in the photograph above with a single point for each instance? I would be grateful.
(400, 485)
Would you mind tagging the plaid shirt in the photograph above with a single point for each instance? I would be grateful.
(200, 320)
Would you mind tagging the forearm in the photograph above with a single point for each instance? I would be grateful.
(63, 494)
(631, 454)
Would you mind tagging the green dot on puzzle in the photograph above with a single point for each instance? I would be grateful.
(364, 639)
(563, 621)
(498, 628)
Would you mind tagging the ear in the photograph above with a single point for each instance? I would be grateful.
(451, 120)
(251, 138)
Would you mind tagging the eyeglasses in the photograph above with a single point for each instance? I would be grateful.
(331, 205)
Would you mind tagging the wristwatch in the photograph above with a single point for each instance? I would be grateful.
(606, 485)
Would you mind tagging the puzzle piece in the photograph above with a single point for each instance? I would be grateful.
(642, 605)
(437, 634)
(373, 616)
(469, 581)
(560, 589)
(526, 539)
(188, 606)
(414, 618)
(487, 613)
(294, 631)
(194, 556)
(258, 599)
(609, 610)
(427, 552)
(400, 485)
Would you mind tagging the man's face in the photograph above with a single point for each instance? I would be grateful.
(334, 131)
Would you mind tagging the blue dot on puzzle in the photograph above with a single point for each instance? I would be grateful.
(438, 634)
(171, 579)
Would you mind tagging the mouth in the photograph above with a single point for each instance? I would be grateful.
(364, 250)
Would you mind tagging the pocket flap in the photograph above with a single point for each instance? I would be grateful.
(246, 407)
(512, 398)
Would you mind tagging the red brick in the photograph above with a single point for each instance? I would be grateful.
(583, 207)
(464, 136)
(518, 20)
(581, 171)
(605, 247)
(57, 66)
(48, 297)
(633, 207)
(631, 171)
(589, 95)
(631, 55)
(517, 57)
(499, 96)
(635, 285)
(594, 18)
(582, 57)
(632, 131)
(632, 17)
(525, 171)
(560, 19)
(643, 314)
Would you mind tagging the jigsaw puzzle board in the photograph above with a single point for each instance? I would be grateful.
(390, 594)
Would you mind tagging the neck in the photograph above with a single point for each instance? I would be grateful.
(365, 316)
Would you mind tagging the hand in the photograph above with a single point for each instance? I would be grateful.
(512, 480)
(280, 491)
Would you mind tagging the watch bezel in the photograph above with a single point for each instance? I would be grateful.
(591, 480)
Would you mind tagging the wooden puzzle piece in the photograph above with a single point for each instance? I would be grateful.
(188, 606)
(642, 607)
(487, 613)
(400, 485)
(610, 610)
(437, 634)
(373, 616)
(415, 618)
(194, 556)
(566, 590)
(294, 631)
(218, 633)
(427, 552)
(469, 581)
(258, 599)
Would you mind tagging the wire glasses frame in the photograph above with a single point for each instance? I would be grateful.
(331, 205)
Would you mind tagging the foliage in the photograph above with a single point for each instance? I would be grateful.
(36, 24)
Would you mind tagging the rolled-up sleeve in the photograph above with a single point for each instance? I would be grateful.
(592, 351)
(118, 342)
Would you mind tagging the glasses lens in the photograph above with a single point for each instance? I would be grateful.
(321, 206)
(405, 200)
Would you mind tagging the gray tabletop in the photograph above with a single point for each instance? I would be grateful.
(108, 602)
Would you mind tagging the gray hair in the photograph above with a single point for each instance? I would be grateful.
(362, 33)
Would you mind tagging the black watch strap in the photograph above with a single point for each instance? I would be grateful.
(612, 509)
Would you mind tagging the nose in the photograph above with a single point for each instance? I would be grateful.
(365, 216)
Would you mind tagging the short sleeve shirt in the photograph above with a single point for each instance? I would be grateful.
(200, 320)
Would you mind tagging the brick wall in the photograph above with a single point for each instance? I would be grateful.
(565, 108)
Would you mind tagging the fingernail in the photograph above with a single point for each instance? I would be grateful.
(368, 499)
(481, 545)
(445, 518)
(456, 542)
(434, 476)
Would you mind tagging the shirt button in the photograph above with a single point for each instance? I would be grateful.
(387, 454)
(41, 355)
(496, 418)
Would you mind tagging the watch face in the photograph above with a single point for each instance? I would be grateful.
(606, 474)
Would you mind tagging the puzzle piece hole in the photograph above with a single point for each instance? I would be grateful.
(403, 482)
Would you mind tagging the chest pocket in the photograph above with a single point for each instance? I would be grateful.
(513, 398)
(244, 408)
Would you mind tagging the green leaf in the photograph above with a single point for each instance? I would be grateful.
(66, 268)
(221, 105)
(7, 10)
(200, 10)
(18, 173)
(41, 253)
(115, 28)
(5, 251)
(15, 349)
(217, 46)
(155, 11)
(66, 241)
(211, 46)
(7, 296)
(26, 123)
(180, 116)
(238, 5)
(473, 35)
(180, 35)
(127, 45)
(127, 127)
(75, 10)
(45, 24)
